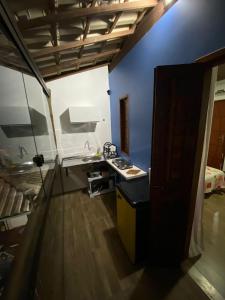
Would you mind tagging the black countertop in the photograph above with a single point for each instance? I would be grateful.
(136, 191)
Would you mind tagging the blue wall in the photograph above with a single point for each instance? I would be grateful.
(190, 29)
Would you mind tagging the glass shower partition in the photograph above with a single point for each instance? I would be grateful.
(26, 133)
(20, 179)
(42, 126)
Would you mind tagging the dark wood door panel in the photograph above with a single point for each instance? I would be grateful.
(176, 120)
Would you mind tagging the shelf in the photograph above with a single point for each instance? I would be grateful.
(91, 179)
(92, 195)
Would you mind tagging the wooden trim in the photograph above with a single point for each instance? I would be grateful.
(124, 125)
(214, 58)
(70, 73)
(86, 12)
(115, 22)
(76, 62)
(139, 18)
(87, 28)
(86, 31)
(53, 4)
(93, 3)
(49, 99)
(14, 65)
(77, 44)
(17, 39)
(145, 25)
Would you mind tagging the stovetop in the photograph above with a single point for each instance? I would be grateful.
(122, 163)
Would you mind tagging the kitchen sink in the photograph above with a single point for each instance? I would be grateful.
(91, 158)
(21, 168)
(85, 158)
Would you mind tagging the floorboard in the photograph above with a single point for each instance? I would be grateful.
(212, 263)
(96, 266)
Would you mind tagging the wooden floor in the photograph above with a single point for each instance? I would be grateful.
(212, 263)
(93, 261)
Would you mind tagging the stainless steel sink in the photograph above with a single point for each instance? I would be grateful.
(91, 158)
(85, 158)
(22, 168)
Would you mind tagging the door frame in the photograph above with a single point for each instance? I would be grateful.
(214, 58)
(210, 61)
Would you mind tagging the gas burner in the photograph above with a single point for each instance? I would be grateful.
(122, 163)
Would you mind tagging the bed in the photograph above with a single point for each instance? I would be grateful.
(214, 179)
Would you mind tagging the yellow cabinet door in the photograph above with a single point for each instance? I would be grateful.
(126, 225)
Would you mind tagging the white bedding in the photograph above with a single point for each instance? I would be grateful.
(214, 179)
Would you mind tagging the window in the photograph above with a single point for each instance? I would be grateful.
(124, 131)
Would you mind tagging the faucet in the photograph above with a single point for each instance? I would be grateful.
(87, 144)
(22, 151)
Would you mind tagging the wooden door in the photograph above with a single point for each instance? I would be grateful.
(178, 108)
(217, 140)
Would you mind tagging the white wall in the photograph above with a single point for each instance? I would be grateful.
(82, 89)
(13, 94)
(45, 143)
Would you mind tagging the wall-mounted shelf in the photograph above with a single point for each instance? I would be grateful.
(83, 114)
(79, 119)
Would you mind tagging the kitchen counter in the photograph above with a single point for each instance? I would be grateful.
(74, 172)
(136, 192)
(124, 173)
(73, 161)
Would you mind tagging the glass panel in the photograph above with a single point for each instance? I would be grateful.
(41, 124)
(49, 273)
(20, 179)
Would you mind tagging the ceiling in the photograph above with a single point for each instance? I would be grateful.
(65, 36)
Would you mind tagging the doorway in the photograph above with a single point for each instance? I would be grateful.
(217, 139)
(210, 267)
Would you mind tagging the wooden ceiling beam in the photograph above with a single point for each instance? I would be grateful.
(75, 62)
(14, 63)
(93, 3)
(8, 20)
(71, 45)
(118, 15)
(53, 5)
(19, 5)
(86, 30)
(86, 12)
(68, 73)
(139, 18)
(144, 26)
(113, 26)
